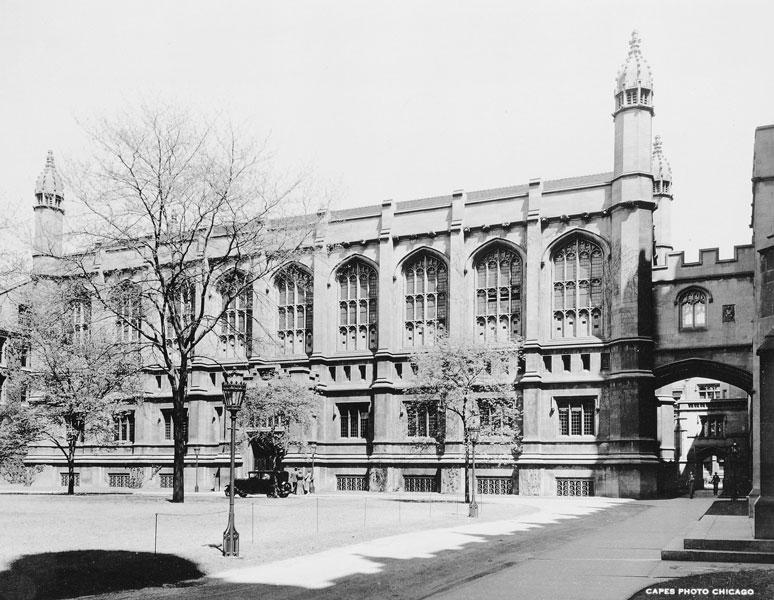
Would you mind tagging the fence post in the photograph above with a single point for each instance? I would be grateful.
(155, 533)
(365, 511)
(252, 522)
(399, 503)
(317, 515)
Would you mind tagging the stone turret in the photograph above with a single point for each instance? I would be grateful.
(49, 214)
(662, 196)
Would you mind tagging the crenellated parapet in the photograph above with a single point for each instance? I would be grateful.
(709, 265)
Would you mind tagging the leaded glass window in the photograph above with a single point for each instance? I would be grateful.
(426, 300)
(128, 311)
(80, 318)
(294, 308)
(498, 295)
(577, 290)
(693, 309)
(236, 322)
(358, 314)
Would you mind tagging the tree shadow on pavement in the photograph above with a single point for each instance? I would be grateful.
(75, 573)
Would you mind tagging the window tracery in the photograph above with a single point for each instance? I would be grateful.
(294, 311)
(498, 295)
(426, 295)
(577, 289)
(358, 315)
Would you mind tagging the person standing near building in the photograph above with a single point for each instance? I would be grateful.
(293, 481)
(691, 483)
(715, 483)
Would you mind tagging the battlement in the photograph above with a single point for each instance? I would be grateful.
(709, 265)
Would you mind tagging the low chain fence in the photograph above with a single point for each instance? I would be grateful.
(263, 521)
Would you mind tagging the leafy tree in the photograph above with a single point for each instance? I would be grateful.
(474, 385)
(198, 217)
(278, 414)
(68, 377)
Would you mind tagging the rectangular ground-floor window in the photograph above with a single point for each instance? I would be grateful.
(420, 483)
(566, 486)
(64, 478)
(166, 480)
(494, 485)
(351, 483)
(118, 479)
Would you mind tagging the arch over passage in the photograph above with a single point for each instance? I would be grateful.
(699, 367)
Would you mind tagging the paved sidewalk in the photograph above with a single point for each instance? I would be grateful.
(612, 562)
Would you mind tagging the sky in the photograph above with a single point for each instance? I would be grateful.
(404, 100)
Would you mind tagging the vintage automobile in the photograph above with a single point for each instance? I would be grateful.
(271, 483)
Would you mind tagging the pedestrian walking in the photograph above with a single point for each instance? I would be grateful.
(691, 483)
(299, 480)
(293, 481)
(305, 477)
(715, 483)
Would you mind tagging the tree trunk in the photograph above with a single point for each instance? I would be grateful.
(71, 470)
(179, 433)
(467, 467)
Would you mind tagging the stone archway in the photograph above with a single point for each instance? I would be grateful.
(700, 367)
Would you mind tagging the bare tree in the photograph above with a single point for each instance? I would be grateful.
(68, 377)
(473, 384)
(184, 218)
(278, 413)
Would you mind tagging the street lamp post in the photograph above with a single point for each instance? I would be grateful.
(196, 469)
(233, 394)
(313, 446)
(734, 470)
(473, 432)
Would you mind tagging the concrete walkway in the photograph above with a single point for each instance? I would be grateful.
(611, 561)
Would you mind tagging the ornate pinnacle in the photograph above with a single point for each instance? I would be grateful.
(657, 145)
(634, 43)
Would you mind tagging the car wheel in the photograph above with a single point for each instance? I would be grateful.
(241, 493)
(228, 489)
(284, 492)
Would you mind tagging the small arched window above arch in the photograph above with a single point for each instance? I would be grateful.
(692, 305)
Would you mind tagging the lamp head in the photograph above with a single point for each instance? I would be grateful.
(473, 431)
(233, 390)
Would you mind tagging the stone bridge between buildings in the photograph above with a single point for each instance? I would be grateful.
(704, 314)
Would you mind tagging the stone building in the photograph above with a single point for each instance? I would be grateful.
(581, 269)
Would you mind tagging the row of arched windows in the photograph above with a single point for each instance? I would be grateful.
(577, 302)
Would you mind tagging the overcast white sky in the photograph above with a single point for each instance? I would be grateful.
(406, 99)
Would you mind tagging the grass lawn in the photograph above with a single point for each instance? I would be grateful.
(62, 546)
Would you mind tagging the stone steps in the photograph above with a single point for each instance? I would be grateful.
(718, 550)
(731, 556)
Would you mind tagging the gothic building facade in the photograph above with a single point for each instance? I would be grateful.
(581, 270)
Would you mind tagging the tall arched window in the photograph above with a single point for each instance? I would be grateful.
(127, 305)
(426, 295)
(180, 312)
(236, 322)
(294, 308)
(80, 317)
(358, 289)
(693, 308)
(577, 294)
(498, 295)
